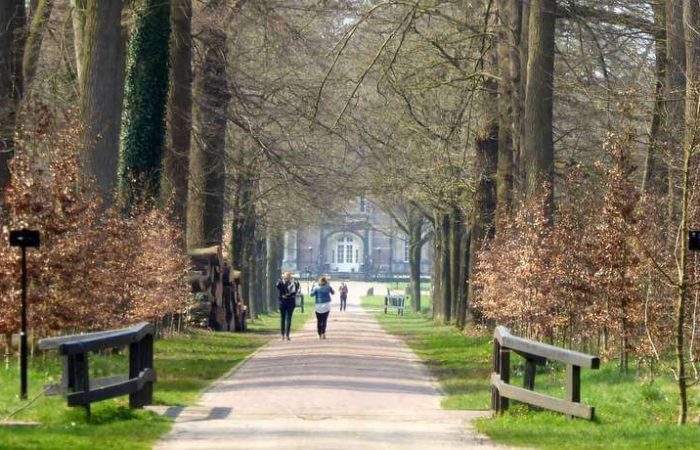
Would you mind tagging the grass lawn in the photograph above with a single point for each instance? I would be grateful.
(184, 365)
(631, 412)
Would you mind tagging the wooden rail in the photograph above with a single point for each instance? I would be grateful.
(76, 384)
(537, 353)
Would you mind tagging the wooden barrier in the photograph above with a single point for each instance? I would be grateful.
(76, 384)
(537, 353)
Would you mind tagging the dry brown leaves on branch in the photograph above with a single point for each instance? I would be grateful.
(94, 269)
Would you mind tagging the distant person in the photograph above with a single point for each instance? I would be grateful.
(288, 288)
(322, 292)
(343, 296)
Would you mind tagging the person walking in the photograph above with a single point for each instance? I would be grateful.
(288, 289)
(343, 296)
(322, 292)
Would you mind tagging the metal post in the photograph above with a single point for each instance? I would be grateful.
(23, 332)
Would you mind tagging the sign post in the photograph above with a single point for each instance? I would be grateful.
(24, 238)
(694, 240)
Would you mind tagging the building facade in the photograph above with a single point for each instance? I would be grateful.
(366, 243)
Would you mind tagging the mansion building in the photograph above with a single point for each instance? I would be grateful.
(366, 243)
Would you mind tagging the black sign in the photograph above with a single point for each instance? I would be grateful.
(24, 238)
(694, 240)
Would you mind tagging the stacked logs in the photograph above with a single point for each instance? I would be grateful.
(220, 306)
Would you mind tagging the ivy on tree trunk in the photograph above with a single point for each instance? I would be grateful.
(145, 97)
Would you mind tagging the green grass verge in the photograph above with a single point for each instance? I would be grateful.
(631, 412)
(185, 365)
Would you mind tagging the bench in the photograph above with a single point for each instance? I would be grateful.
(76, 384)
(396, 301)
(537, 353)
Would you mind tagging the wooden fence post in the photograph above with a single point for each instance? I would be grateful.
(147, 363)
(573, 384)
(504, 367)
(81, 376)
(529, 375)
(494, 390)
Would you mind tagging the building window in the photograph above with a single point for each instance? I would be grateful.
(348, 252)
(406, 250)
(341, 252)
(357, 256)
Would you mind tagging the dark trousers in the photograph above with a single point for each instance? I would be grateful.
(343, 303)
(321, 321)
(286, 310)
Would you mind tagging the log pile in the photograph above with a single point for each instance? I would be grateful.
(217, 289)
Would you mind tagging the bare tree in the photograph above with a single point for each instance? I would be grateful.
(102, 88)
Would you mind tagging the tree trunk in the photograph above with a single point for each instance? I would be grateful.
(538, 144)
(261, 253)
(40, 19)
(446, 297)
(484, 209)
(145, 98)
(237, 228)
(463, 308)
(691, 19)
(102, 91)
(675, 97)
(275, 254)
(248, 268)
(177, 155)
(508, 95)
(455, 245)
(12, 37)
(437, 297)
(78, 12)
(205, 212)
(519, 179)
(415, 246)
(655, 170)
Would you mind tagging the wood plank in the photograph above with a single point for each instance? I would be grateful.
(541, 400)
(110, 391)
(81, 343)
(545, 350)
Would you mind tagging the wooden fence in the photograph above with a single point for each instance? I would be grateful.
(76, 384)
(537, 353)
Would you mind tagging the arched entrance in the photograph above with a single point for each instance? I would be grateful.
(344, 252)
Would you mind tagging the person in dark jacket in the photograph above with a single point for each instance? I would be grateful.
(288, 289)
(322, 292)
